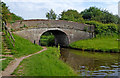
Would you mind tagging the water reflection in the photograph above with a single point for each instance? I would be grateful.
(91, 63)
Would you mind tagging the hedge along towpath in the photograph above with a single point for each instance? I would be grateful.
(14, 64)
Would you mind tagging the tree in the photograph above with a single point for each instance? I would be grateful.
(71, 15)
(51, 15)
(6, 15)
(5, 11)
(94, 13)
(91, 13)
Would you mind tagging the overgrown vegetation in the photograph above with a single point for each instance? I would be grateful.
(46, 63)
(104, 29)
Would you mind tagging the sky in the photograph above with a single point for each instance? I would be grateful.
(37, 9)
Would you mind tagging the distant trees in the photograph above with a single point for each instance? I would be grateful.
(94, 13)
(90, 14)
(71, 15)
(51, 15)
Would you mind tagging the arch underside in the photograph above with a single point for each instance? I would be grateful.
(60, 37)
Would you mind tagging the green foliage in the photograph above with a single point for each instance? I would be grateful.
(71, 15)
(104, 29)
(5, 11)
(47, 40)
(14, 17)
(51, 15)
(24, 26)
(104, 44)
(47, 65)
(94, 13)
(12, 30)
(7, 15)
(59, 50)
(91, 13)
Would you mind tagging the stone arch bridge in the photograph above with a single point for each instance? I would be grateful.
(65, 32)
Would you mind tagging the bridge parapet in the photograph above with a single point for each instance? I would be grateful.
(51, 24)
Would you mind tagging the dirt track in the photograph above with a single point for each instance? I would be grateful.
(14, 64)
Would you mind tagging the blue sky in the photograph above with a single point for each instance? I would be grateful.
(36, 9)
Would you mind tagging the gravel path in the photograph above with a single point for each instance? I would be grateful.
(14, 64)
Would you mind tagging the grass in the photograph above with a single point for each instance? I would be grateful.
(5, 62)
(22, 46)
(104, 44)
(46, 63)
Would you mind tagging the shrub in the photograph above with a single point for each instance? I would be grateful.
(47, 40)
(104, 29)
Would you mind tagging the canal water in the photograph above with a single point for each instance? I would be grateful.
(91, 63)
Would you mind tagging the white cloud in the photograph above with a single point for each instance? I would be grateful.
(38, 8)
(113, 8)
(60, 0)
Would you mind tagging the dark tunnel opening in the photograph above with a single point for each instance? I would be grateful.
(54, 38)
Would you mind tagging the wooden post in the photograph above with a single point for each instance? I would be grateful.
(8, 32)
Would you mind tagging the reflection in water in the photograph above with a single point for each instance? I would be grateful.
(91, 63)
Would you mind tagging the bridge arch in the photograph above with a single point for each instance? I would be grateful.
(61, 37)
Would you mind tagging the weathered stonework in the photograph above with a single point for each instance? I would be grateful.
(65, 32)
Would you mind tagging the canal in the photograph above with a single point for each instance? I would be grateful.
(91, 63)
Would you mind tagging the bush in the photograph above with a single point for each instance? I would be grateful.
(104, 29)
(47, 40)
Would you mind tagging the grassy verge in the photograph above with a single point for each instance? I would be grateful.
(104, 44)
(46, 63)
(22, 46)
(5, 62)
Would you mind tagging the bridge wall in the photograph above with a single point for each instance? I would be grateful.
(65, 32)
(73, 35)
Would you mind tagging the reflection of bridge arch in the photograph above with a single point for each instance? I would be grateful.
(61, 37)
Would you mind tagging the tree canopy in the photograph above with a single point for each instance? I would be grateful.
(94, 13)
(71, 15)
(7, 15)
(51, 15)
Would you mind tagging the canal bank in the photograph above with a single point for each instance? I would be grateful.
(100, 44)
